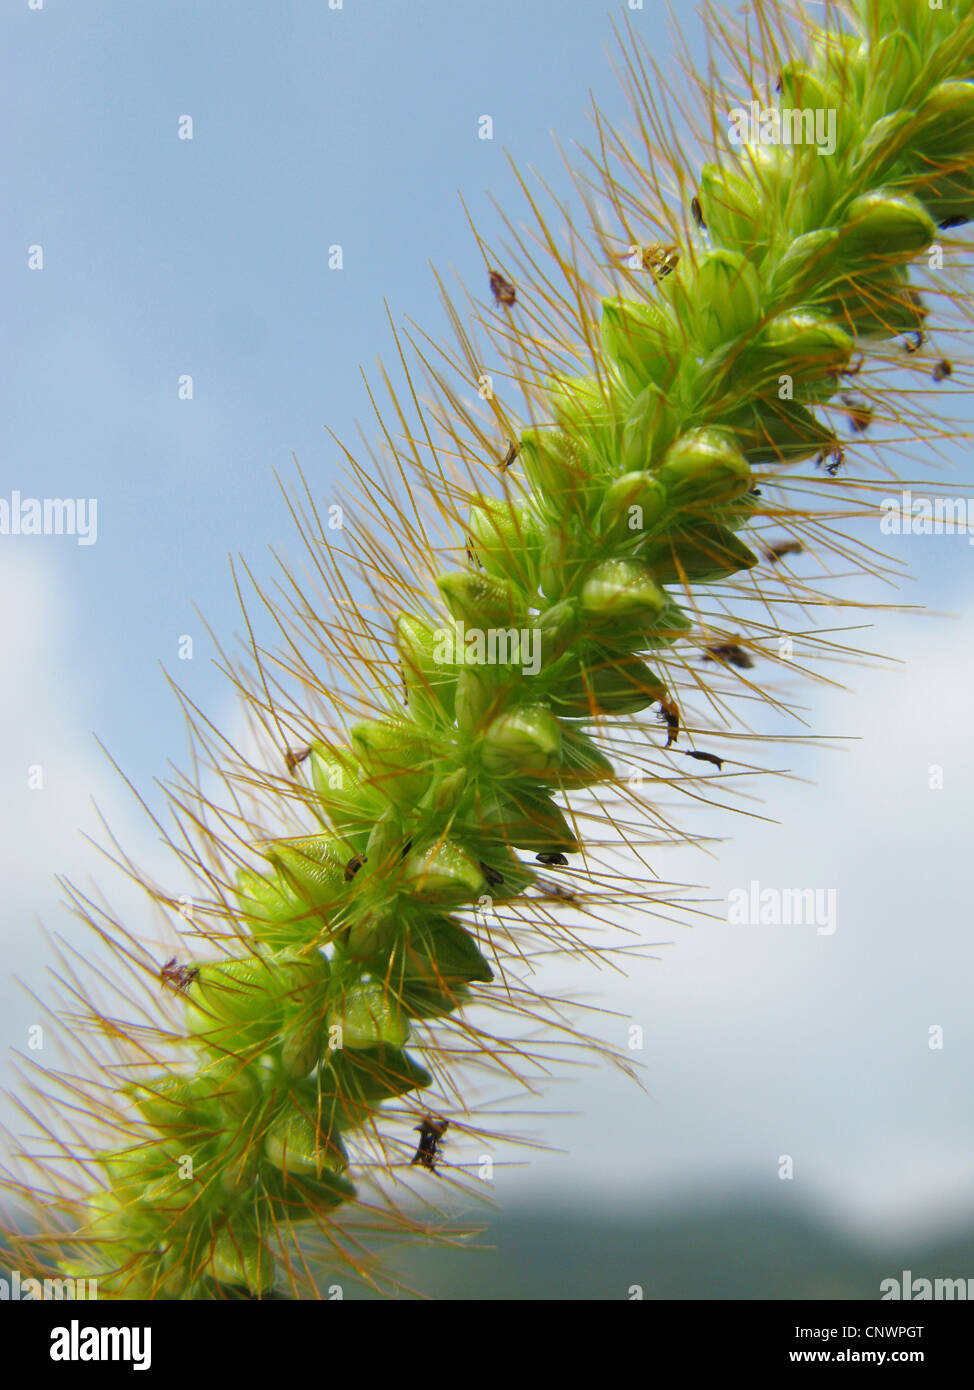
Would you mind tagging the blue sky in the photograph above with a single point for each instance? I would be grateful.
(209, 257)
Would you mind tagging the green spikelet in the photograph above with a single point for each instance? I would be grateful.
(345, 926)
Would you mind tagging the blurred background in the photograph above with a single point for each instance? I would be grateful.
(164, 257)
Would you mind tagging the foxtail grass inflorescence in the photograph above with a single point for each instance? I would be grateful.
(607, 532)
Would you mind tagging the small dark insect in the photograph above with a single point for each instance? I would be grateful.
(697, 211)
(405, 687)
(178, 977)
(661, 260)
(353, 866)
(291, 760)
(670, 716)
(555, 890)
(406, 849)
(832, 458)
(755, 492)
(860, 411)
(942, 369)
(502, 289)
(957, 220)
(708, 758)
(731, 653)
(553, 860)
(494, 879)
(780, 548)
(914, 341)
(431, 1132)
(513, 449)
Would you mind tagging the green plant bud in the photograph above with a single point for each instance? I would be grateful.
(808, 263)
(363, 1076)
(582, 761)
(945, 124)
(525, 741)
(351, 804)
(878, 306)
(294, 1195)
(728, 297)
(603, 682)
(234, 1086)
(801, 345)
(801, 87)
(881, 150)
(429, 999)
(950, 196)
(736, 214)
(446, 875)
(622, 589)
(642, 339)
(805, 98)
(886, 227)
(772, 167)
(632, 506)
(703, 466)
(671, 625)
(559, 625)
(395, 756)
(437, 949)
(226, 1034)
(430, 680)
(550, 465)
(297, 1146)
(779, 432)
(706, 554)
(579, 406)
(650, 425)
(386, 840)
(301, 1046)
(235, 990)
(478, 600)
(240, 1257)
(274, 912)
(477, 695)
(507, 540)
(524, 819)
(564, 554)
(844, 60)
(817, 185)
(369, 1015)
(314, 864)
(175, 1104)
(896, 64)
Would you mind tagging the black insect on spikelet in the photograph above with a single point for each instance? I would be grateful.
(730, 653)
(431, 1131)
(706, 758)
(776, 552)
(178, 977)
(501, 288)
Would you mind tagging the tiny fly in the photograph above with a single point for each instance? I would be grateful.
(431, 1132)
